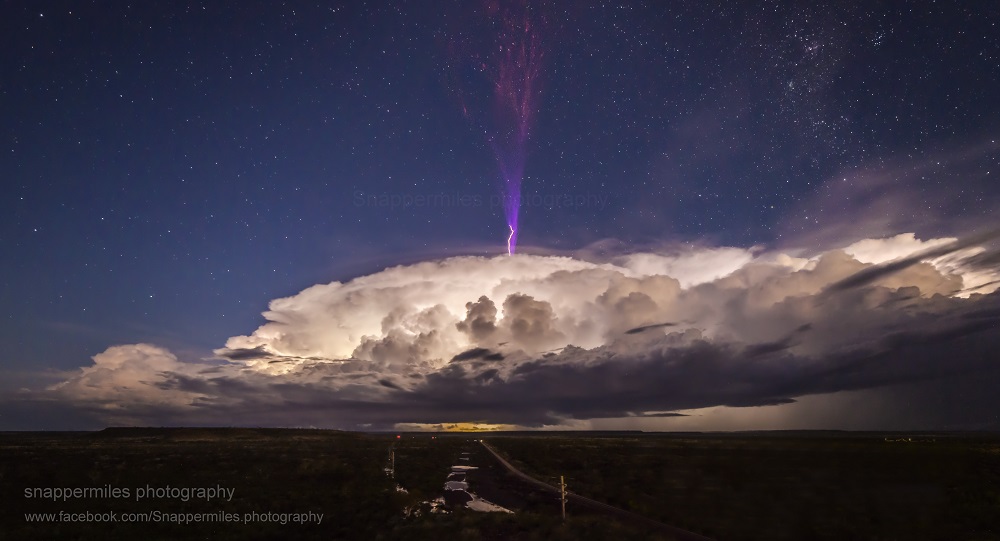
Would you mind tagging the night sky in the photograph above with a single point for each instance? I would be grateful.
(169, 169)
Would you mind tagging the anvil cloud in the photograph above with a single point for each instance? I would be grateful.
(542, 340)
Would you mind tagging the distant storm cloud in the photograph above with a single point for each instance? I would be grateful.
(542, 340)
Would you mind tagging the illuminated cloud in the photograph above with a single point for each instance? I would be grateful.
(542, 341)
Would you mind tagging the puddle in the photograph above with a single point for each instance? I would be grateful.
(457, 492)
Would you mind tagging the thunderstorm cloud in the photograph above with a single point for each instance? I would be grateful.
(532, 340)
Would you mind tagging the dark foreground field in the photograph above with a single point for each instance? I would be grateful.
(777, 486)
(276, 474)
(730, 487)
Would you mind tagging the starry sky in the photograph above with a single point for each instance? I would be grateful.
(171, 168)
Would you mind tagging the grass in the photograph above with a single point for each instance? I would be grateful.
(272, 471)
(730, 487)
(747, 487)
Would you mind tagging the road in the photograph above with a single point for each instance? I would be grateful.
(677, 533)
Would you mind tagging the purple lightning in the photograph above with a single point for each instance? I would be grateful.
(513, 64)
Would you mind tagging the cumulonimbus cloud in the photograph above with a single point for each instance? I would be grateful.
(541, 340)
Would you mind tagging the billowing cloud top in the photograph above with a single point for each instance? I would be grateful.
(532, 340)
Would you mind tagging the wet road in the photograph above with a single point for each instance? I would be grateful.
(682, 535)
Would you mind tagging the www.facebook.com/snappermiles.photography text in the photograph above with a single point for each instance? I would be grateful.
(109, 493)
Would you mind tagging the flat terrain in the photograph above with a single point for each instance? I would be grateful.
(729, 487)
(783, 485)
(271, 471)
(277, 473)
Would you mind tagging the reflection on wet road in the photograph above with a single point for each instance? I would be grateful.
(457, 493)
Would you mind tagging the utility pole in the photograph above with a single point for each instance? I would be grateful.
(562, 487)
(392, 463)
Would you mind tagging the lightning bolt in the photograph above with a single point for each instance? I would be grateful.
(510, 250)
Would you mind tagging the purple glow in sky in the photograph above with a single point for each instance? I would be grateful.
(517, 63)
(512, 64)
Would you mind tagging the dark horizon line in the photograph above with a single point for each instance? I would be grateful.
(920, 432)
